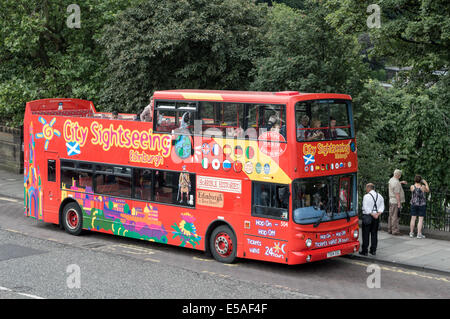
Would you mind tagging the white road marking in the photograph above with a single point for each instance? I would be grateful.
(21, 293)
(10, 199)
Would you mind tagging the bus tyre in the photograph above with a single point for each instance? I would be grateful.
(223, 244)
(72, 219)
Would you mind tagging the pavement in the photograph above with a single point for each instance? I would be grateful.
(429, 254)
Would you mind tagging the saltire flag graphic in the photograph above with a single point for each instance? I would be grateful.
(73, 148)
(309, 159)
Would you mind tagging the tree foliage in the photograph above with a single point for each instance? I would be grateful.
(127, 49)
(41, 57)
(305, 53)
(404, 130)
(412, 33)
(180, 44)
(406, 126)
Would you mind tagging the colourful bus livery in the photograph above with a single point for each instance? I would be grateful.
(261, 175)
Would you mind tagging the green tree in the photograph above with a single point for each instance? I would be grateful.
(202, 44)
(410, 121)
(305, 53)
(298, 4)
(404, 130)
(42, 57)
(412, 33)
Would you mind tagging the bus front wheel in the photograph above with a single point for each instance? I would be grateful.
(223, 244)
(72, 219)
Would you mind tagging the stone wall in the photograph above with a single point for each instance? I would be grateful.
(11, 149)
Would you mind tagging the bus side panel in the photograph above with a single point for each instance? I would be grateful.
(137, 219)
(33, 195)
(266, 239)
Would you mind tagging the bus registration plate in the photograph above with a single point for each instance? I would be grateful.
(333, 253)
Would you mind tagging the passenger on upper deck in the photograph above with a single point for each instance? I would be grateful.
(317, 133)
(146, 114)
(332, 133)
(275, 124)
(184, 123)
(304, 123)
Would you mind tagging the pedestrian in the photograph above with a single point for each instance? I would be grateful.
(418, 205)
(372, 208)
(396, 199)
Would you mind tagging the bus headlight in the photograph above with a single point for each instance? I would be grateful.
(308, 242)
(355, 234)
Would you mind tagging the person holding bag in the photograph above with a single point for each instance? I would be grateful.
(372, 208)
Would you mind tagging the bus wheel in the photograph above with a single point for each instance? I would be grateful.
(223, 244)
(72, 219)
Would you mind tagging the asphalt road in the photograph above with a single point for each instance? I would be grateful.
(39, 260)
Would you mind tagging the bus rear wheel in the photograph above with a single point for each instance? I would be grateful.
(223, 244)
(72, 219)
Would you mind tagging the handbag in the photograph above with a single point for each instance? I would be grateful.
(366, 219)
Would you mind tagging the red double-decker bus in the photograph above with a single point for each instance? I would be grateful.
(262, 175)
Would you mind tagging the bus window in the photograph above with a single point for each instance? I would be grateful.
(323, 199)
(113, 180)
(166, 121)
(231, 120)
(69, 178)
(210, 115)
(77, 175)
(222, 119)
(175, 117)
(339, 123)
(322, 120)
(174, 188)
(142, 179)
(270, 118)
(51, 170)
(270, 200)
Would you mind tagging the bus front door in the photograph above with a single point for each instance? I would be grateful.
(51, 189)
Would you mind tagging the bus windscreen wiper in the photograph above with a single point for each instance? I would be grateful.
(325, 212)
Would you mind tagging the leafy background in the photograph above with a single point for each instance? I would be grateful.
(127, 49)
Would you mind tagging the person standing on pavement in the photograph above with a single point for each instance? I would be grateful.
(418, 205)
(396, 199)
(372, 208)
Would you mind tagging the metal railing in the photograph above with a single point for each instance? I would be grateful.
(438, 206)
